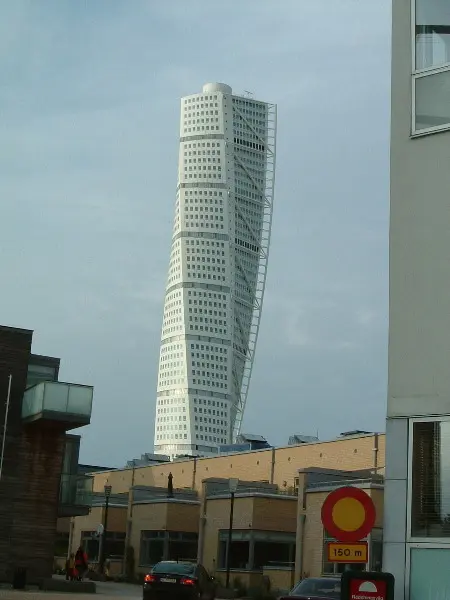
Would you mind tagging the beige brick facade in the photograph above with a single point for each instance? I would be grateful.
(264, 512)
(278, 465)
(117, 522)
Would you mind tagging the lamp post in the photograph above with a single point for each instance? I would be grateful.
(233, 486)
(101, 561)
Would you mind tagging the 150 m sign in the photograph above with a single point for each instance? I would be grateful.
(347, 553)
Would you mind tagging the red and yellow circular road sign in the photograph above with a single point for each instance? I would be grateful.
(348, 514)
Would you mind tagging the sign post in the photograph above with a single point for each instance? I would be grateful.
(348, 515)
(348, 553)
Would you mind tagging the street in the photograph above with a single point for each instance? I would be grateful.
(106, 590)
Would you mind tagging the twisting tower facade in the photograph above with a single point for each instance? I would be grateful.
(217, 271)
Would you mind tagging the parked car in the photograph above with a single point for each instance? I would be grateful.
(178, 580)
(316, 588)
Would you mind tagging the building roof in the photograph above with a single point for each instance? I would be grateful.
(16, 330)
(251, 437)
(259, 450)
(40, 359)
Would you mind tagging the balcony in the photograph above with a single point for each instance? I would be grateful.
(75, 495)
(57, 404)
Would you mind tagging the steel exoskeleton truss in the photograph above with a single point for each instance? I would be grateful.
(264, 246)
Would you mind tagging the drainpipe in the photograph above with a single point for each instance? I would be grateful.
(298, 571)
(194, 473)
(71, 529)
(375, 452)
(299, 535)
(272, 466)
(202, 526)
(129, 519)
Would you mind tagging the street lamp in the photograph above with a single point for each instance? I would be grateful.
(101, 561)
(233, 486)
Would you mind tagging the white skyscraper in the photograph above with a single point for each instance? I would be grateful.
(217, 270)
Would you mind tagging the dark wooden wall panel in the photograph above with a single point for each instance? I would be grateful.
(29, 487)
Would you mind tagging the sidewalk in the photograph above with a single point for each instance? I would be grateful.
(105, 591)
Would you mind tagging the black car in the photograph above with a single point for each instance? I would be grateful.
(316, 588)
(178, 580)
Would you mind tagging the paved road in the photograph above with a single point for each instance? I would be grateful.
(105, 591)
(110, 589)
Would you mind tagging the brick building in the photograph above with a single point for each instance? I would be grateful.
(277, 531)
(39, 480)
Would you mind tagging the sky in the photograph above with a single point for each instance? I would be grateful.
(89, 123)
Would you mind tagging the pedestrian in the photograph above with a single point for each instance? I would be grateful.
(81, 564)
(70, 567)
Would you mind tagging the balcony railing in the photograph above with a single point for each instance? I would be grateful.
(67, 403)
(75, 494)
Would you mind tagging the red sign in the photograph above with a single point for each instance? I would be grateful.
(348, 514)
(367, 589)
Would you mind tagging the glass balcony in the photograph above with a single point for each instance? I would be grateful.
(66, 404)
(75, 495)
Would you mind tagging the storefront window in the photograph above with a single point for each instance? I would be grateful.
(152, 547)
(167, 545)
(432, 51)
(114, 544)
(430, 467)
(61, 544)
(182, 546)
(253, 550)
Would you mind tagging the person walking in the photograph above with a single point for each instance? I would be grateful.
(81, 564)
(70, 567)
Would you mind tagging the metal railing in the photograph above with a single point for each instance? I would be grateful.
(148, 493)
(376, 480)
(75, 490)
(272, 491)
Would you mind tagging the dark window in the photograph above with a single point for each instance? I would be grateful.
(376, 550)
(152, 547)
(182, 546)
(61, 544)
(114, 544)
(273, 554)
(239, 550)
(91, 546)
(430, 504)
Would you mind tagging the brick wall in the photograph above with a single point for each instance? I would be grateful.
(313, 534)
(183, 517)
(217, 518)
(275, 514)
(15, 347)
(347, 454)
(33, 528)
(29, 488)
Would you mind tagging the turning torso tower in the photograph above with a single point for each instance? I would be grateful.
(217, 270)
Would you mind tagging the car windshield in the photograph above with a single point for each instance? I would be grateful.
(174, 568)
(319, 588)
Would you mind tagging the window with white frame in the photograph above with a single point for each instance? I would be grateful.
(431, 69)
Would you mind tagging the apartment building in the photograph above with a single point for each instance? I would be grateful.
(417, 532)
